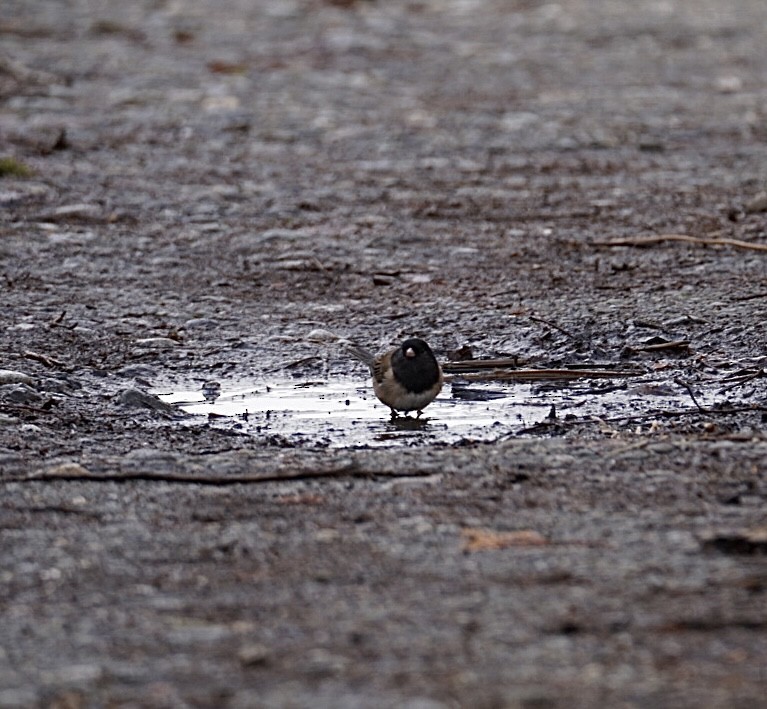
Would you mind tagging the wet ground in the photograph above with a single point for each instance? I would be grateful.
(197, 193)
(343, 413)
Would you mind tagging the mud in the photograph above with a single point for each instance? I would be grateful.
(209, 193)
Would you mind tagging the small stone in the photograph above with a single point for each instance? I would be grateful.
(157, 342)
(137, 371)
(254, 655)
(323, 663)
(728, 84)
(20, 394)
(320, 335)
(201, 324)
(757, 204)
(140, 399)
(77, 212)
(9, 376)
(73, 674)
(68, 470)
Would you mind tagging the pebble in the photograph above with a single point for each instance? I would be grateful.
(201, 324)
(141, 371)
(141, 400)
(73, 674)
(254, 655)
(157, 342)
(67, 470)
(320, 335)
(90, 212)
(757, 203)
(19, 394)
(9, 376)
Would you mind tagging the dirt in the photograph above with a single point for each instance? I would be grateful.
(224, 192)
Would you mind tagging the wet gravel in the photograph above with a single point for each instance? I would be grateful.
(215, 192)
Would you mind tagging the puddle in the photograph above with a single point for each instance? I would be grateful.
(345, 412)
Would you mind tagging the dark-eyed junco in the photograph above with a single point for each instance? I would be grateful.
(407, 378)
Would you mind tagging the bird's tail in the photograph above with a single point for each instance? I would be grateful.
(361, 354)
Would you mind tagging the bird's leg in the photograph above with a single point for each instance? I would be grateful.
(418, 415)
(394, 414)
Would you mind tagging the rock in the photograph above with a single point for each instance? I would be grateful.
(136, 398)
(74, 212)
(157, 342)
(137, 371)
(68, 470)
(201, 324)
(19, 394)
(320, 335)
(9, 376)
(757, 204)
(255, 655)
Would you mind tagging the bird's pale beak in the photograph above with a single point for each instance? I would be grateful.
(410, 353)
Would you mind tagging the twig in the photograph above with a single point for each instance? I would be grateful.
(668, 413)
(684, 384)
(534, 374)
(45, 409)
(471, 365)
(554, 325)
(686, 238)
(45, 359)
(660, 346)
(740, 381)
(752, 296)
(350, 469)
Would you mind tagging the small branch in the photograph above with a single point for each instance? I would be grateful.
(472, 365)
(554, 325)
(660, 346)
(548, 374)
(740, 381)
(684, 384)
(45, 359)
(641, 241)
(351, 469)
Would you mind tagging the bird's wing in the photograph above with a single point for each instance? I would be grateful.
(381, 367)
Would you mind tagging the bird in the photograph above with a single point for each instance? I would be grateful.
(407, 378)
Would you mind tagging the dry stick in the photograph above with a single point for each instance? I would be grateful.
(667, 413)
(223, 480)
(533, 374)
(684, 384)
(753, 296)
(44, 359)
(674, 345)
(469, 365)
(686, 238)
(742, 380)
(554, 325)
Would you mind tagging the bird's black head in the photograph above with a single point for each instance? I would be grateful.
(415, 347)
(415, 365)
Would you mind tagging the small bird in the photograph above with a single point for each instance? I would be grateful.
(407, 378)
